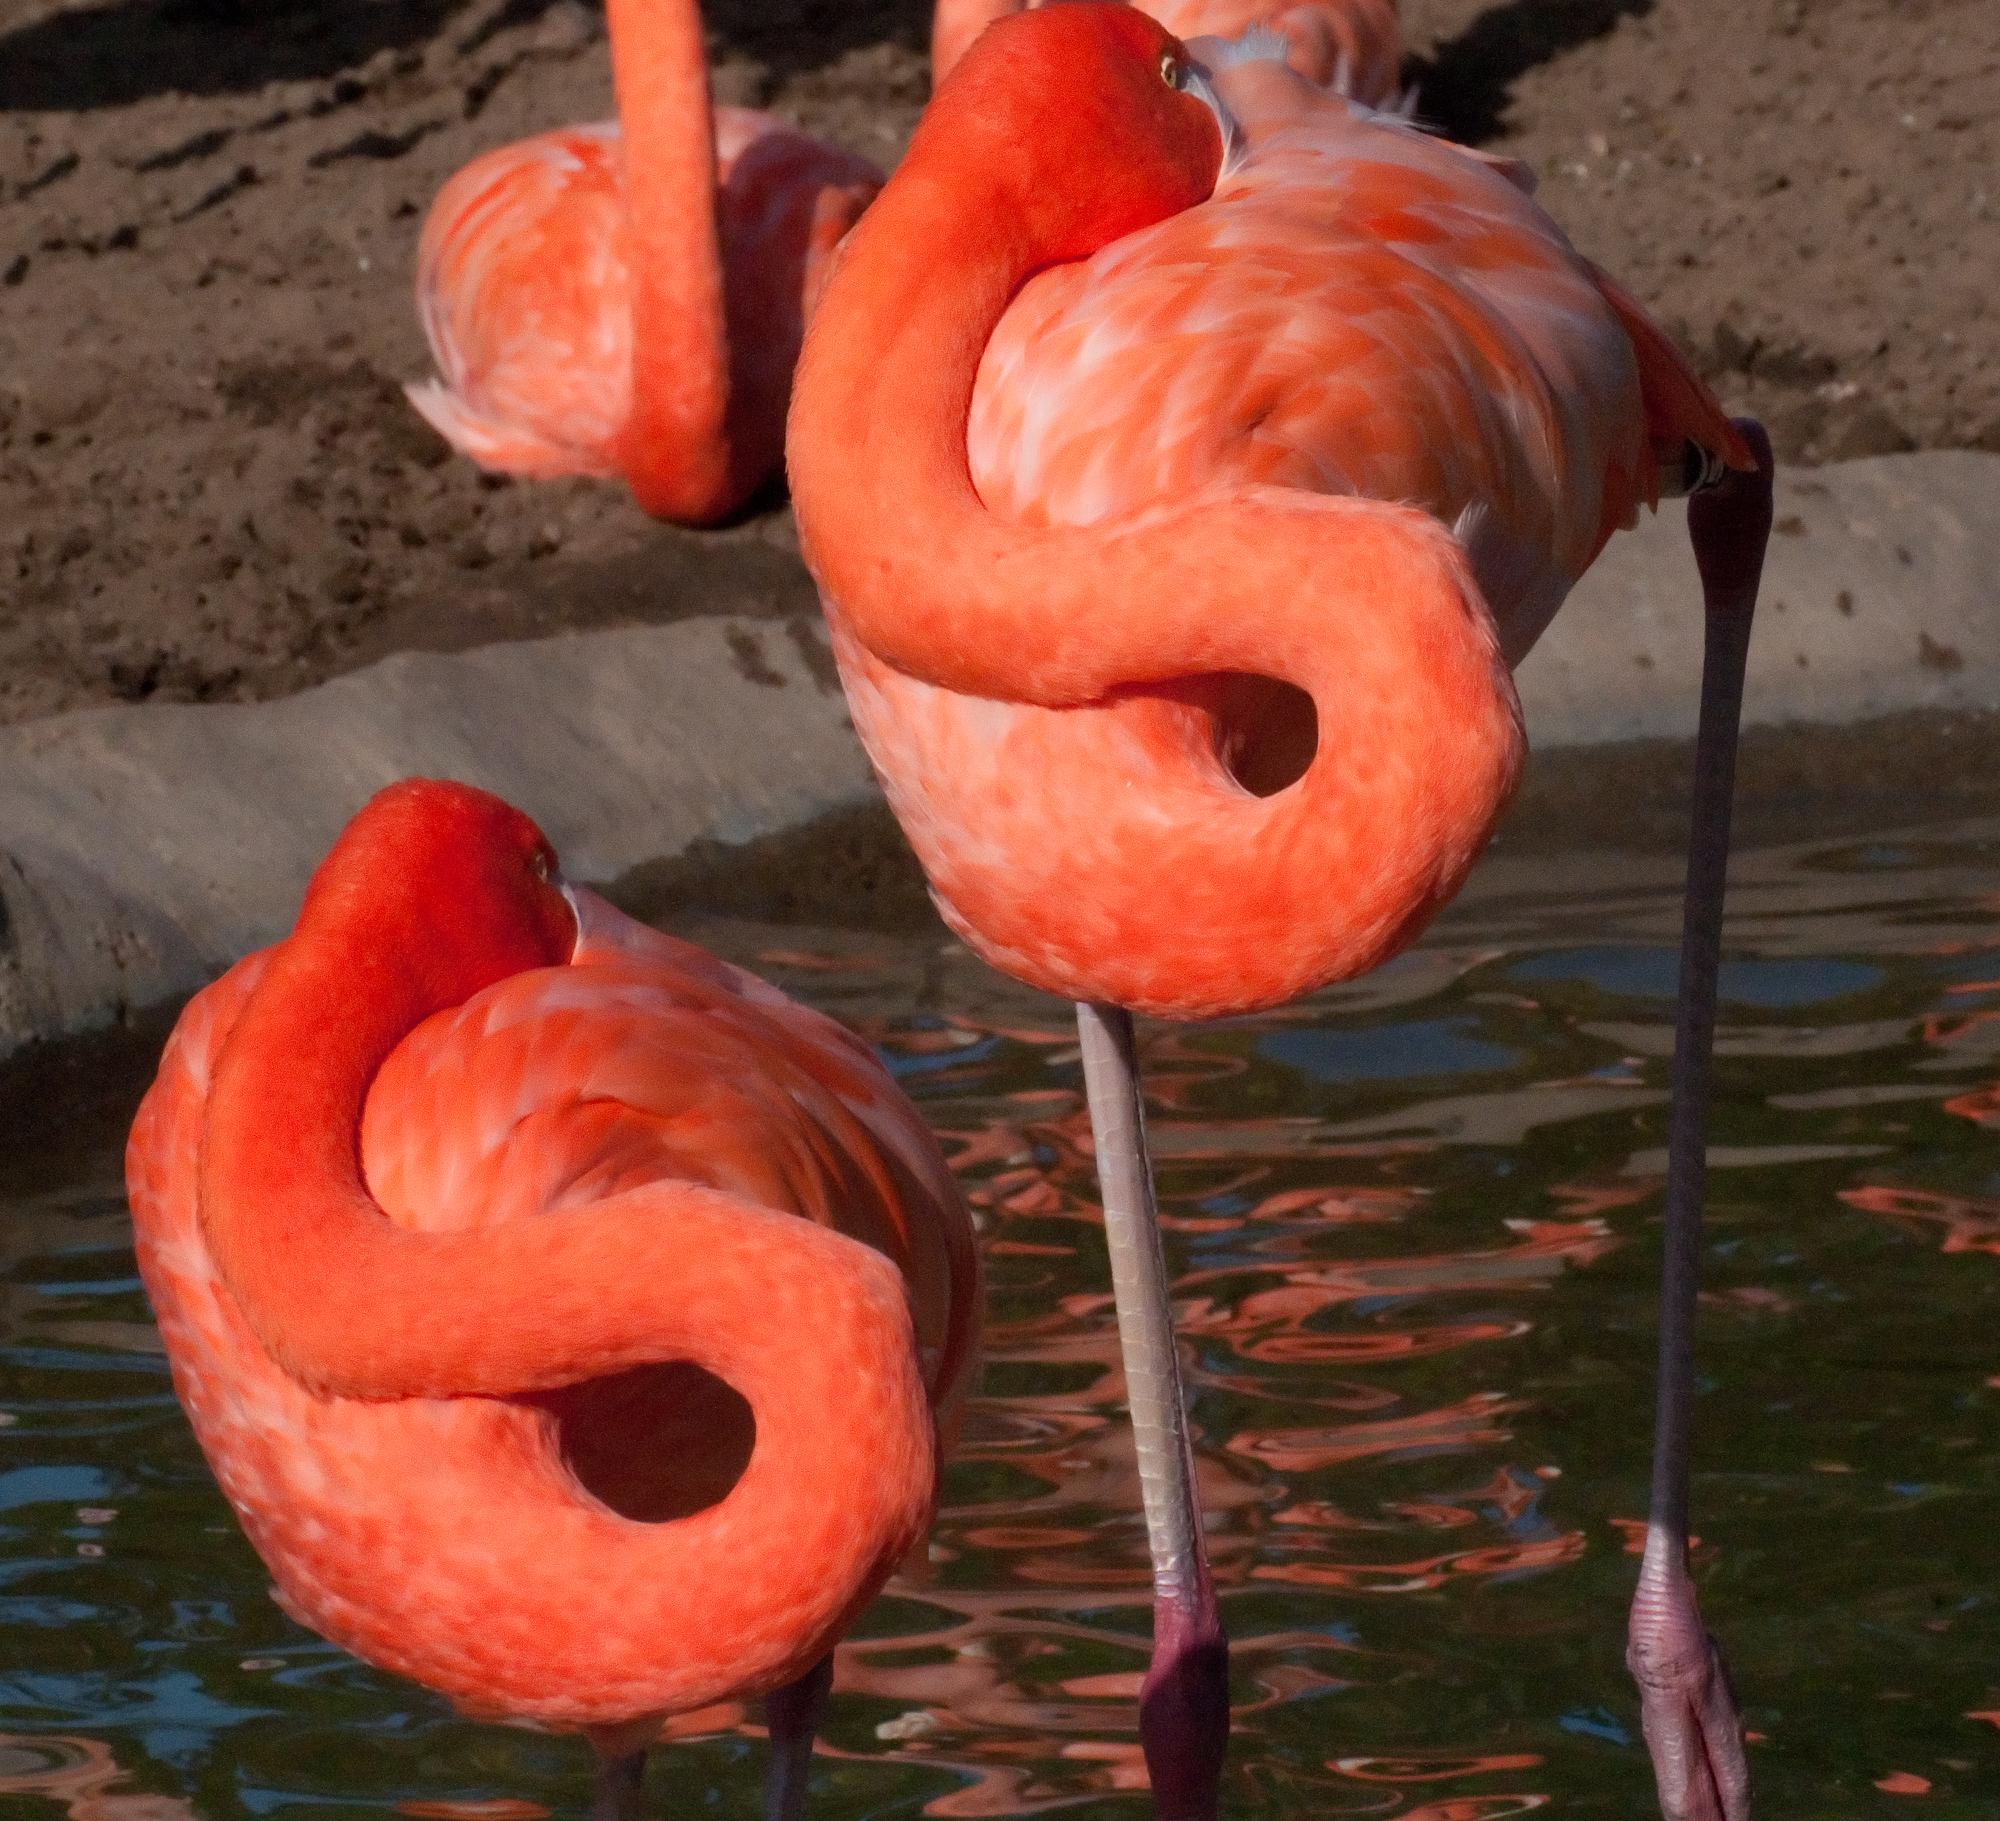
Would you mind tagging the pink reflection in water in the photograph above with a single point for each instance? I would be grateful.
(1430, 1767)
(1016, 1671)
(1969, 1224)
(79, 1774)
(1475, 1808)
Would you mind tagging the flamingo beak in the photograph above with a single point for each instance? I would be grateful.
(1200, 84)
(575, 910)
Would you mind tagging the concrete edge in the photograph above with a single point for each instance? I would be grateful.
(143, 849)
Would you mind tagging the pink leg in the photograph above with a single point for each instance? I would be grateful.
(1693, 1728)
(793, 1715)
(1184, 1703)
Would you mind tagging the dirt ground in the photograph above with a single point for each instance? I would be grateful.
(211, 488)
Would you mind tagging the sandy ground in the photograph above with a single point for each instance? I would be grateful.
(210, 486)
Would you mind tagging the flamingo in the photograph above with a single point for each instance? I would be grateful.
(1354, 47)
(1184, 456)
(570, 1318)
(627, 297)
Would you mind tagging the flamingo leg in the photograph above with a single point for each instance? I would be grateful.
(621, 1786)
(1184, 1702)
(1693, 1727)
(793, 1715)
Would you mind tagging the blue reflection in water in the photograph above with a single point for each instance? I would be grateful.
(1654, 973)
(171, 1713)
(52, 1485)
(911, 1066)
(28, 1610)
(1390, 1052)
(110, 1286)
(1595, 1723)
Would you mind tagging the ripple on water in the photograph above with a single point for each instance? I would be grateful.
(1414, 1229)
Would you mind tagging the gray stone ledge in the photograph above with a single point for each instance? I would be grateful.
(143, 849)
(1881, 595)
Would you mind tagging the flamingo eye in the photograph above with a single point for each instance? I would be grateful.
(1173, 72)
(542, 865)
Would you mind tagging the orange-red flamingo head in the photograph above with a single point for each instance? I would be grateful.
(1105, 93)
(469, 877)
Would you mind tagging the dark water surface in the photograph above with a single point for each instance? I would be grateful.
(1415, 1231)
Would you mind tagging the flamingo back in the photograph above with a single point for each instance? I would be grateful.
(505, 1550)
(1359, 309)
(524, 293)
(524, 285)
(1354, 47)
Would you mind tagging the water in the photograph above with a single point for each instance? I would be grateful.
(1414, 1227)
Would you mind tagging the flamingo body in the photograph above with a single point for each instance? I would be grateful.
(628, 300)
(523, 290)
(629, 1544)
(1357, 310)
(1240, 442)
(1354, 47)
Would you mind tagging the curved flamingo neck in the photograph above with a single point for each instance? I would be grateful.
(812, 1328)
(1369, 607)
(678, 457)
(1257, 580)
(990, 193)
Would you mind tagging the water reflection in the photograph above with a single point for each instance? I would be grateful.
(81, 1778)
(1413, 1226)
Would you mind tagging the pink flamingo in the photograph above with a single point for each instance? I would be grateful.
(627, 298)
(1184, 456)
(569, 1317)
(1354, 47)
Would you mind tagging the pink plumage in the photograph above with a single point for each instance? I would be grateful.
(1359, 310)
(511, 1551)
(1354, 47)
(627, 298)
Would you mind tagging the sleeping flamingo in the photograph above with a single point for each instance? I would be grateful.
(569, 1317)
(627, 298)
(1183, 463)
(1354, 47)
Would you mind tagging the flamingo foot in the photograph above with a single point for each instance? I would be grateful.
(793, 1714)
(621, 1786)
(1687, 1705)
(1184, 1709)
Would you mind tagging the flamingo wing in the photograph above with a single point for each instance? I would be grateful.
(1359, 309)
(524, 292)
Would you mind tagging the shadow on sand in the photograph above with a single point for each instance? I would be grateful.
(112, 55)
(1465, 86)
